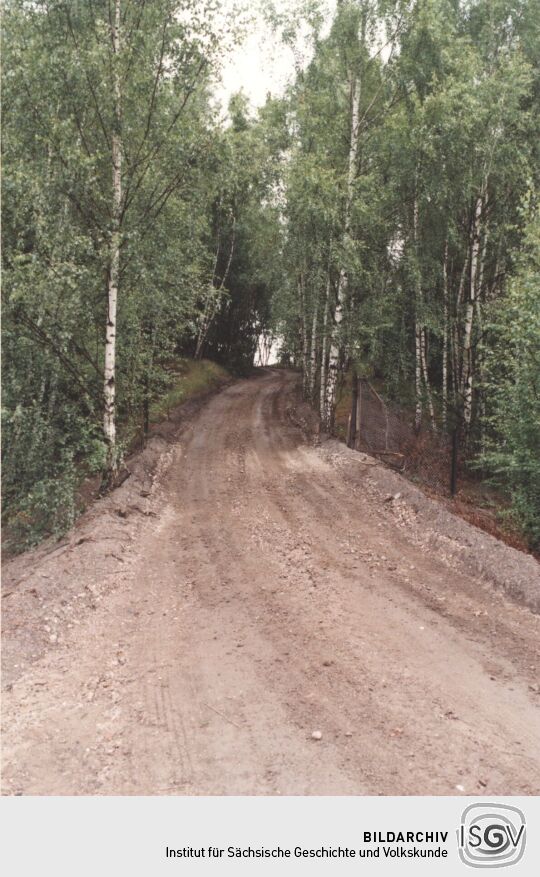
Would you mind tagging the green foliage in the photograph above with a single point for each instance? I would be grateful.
(186, 380)
(40, 479)
(263, 222)
(447, 120)
(179, 164)
(513, 387)
(247, 234)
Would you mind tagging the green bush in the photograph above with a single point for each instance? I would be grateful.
(513, 387)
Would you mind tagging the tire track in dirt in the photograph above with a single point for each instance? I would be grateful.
(272, 595)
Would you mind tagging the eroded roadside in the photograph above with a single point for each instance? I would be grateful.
(47, 591)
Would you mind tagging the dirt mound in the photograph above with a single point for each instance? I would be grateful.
(45, 590)
(425, 458)
(429, 523)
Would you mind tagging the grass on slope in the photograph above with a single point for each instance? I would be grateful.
(189, 378)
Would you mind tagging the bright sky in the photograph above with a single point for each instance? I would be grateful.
(262, 63)
(259, 66)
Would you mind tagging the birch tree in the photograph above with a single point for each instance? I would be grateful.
(108, 151)
(336, 352)
(109, 389)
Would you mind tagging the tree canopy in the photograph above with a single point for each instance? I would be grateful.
(378, 218)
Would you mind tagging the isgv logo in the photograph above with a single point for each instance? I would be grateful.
(491, 835)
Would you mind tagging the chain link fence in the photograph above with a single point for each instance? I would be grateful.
(384, 430)
(437, 461)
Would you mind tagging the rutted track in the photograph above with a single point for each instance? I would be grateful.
(272, 594)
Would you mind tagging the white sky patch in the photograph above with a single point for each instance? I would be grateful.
(262, 64)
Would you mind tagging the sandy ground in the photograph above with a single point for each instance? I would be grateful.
(262, 589)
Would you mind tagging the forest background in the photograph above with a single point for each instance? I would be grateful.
(379, 217)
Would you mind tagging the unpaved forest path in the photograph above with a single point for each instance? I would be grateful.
(272, 594)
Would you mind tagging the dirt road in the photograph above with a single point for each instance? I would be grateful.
(273, 591)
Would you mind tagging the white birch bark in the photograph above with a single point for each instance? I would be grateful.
(313, 353)
(303, 329)
(208, 300)
(322, 389)
(213, 299)
(417, 327)
(417, 376)
(467, 369)
(336, 345)
(445, 340)
(109, 383)
(456, 362)
(421, 370)
(462, 278)
(479, 321)
(426, 377)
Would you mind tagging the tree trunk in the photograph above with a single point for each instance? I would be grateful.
(426, 377)
(421, 370)
(417, 377)
(305, 346)
(467, 365)
(445, 340)
(109, 386)
(479, 321)
(417, 325)
(336, 343)
(334, 357)
(313, 355)
(456, 362)
(322, 388)
(146, 409)
(358, 414)
(212, 301)
(351, 437)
